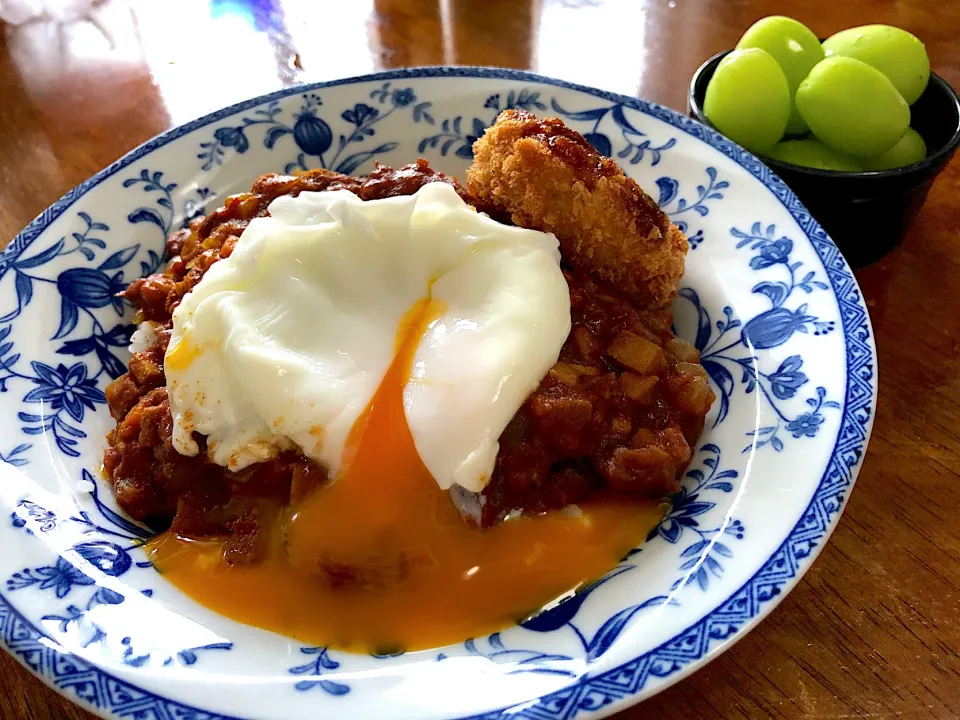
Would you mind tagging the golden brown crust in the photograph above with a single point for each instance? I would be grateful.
(546, 176)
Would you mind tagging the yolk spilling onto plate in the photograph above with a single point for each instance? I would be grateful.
(380, 560)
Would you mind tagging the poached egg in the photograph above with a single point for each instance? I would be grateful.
(284, 343)
(393, 341)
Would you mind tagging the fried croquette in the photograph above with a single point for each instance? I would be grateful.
(544, 175)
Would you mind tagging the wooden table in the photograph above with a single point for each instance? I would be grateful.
(873, 630)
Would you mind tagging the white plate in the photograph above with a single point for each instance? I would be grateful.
(767, 298)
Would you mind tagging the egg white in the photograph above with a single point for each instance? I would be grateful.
(284, 343)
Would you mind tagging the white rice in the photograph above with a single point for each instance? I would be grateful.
(143, 337)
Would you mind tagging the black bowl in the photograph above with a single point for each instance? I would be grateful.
(866, 213)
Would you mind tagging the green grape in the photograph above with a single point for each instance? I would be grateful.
(748, 99)
(910, 149)
(894, 52)
(810, 152)
(852, 107)
(794, 47)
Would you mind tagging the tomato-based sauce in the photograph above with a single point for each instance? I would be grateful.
(380, 559)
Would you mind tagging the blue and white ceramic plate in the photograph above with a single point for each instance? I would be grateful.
(767, 299)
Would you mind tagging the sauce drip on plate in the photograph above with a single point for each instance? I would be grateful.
(380, 560)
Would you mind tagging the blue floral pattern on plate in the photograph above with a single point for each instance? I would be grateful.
(790, 357)
(313, 135)
(107, 551)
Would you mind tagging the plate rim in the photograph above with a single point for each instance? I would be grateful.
(599, 694)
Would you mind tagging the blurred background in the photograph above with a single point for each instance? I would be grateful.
(69, 68)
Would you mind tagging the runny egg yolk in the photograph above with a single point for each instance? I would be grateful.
(380, 560)
(181, 355)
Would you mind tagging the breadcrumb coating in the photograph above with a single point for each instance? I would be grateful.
(548, 177)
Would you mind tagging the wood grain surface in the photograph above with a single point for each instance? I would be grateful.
(873, 630)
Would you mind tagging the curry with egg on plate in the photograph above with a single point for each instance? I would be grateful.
(386, 413)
